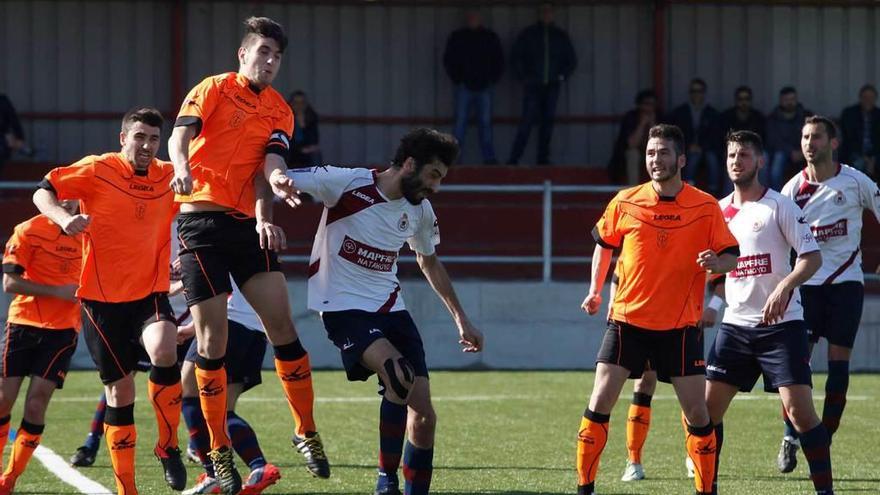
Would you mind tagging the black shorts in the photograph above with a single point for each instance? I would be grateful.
(833, 311)
(739, 355)
(215, 245)
(671, 353)
(352, 331)
(245, 350)
(33, 351)
(112, 332)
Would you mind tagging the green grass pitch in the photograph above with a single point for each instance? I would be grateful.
(498, 433)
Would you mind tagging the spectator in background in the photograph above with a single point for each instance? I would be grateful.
(11, 133)
(696, 119)
(741, 117)
(628, 159)
(783, 143)
(304, 149)
(474, 61)
(542, 58)
(860, 124)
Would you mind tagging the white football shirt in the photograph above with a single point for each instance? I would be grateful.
(833, 209)
(354, 257)
(767, 230)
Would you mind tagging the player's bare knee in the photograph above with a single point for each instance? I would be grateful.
(163, 356)
(399, 377)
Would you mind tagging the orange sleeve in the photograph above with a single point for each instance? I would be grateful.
(74, 181)
(201, 100)
(606, 232)
(17, 254)
(722, 240)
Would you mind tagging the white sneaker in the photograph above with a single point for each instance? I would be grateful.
(633, 472)
(689, 464)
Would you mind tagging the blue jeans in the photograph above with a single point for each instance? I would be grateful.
(539, 105)
(481, 102)
(715, 176)
(774, 171)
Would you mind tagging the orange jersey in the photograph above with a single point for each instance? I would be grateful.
(127, 245)
(237, 127)
(660, 284)
(42, 253)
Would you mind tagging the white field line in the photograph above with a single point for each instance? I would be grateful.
(59, 467)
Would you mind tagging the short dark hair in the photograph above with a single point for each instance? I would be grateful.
(265, 28)
(644, 95)
(868, 87)
(424, 146)
(742, 89)
(787, 90)
(147, 115)
(699, 81)
(749, 138)
(830, 128)
(671, 132)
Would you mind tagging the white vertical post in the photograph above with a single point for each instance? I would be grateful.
(547, 251)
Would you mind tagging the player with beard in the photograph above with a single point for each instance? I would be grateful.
(833, 197)
(763, 330)
(671, 235)
(367, 218)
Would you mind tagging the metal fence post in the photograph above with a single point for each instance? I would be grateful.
(547, 251)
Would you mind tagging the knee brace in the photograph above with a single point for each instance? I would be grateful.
(401, 377)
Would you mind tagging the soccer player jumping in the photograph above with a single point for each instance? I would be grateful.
(229, 146)
(671, 234)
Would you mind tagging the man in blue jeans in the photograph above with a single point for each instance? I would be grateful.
(474, 61)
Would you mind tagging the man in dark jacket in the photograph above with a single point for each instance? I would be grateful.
(542, 58)
(11, 132)
(474, 61)
(860, 124)
(740, 117)
(696, 119)
(783, 142)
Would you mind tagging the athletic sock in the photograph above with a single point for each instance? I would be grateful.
(244, 441)
(293, 368)
(835, 394)
(392, 430)
(165, 396)
(26, 441)
(211, 378)
(96, 430)
(719, 441)
(418, 466)
(4, 434)
(638, 422)
(198, 431)
(816, 444)
(121, 437)
(592, 437)
(702, 448)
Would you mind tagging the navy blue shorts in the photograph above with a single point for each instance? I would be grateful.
(245, 350)
(352, 331)
(740, 355)
(833, 311)
(671, 353)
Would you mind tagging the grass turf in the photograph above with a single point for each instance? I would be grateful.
(498, 433)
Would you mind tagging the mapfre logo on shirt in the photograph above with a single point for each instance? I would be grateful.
(824, 232)
(752, 266)
(366, 256)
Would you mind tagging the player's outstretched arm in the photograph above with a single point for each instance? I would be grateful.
(805, 267)
(470, 337)
(47, 202)
(14, 283)
(598, 272)
(178, 150)
(274, 170)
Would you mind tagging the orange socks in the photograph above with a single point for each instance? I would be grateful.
(4, 434)
(592, 437)
(165, 395)
(211, 378)
(293, 368)
(26, 441)
(121, 437)
(638, 421)
(702, 449)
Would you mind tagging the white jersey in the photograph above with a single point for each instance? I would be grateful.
(354, 258)
(833, 210)
(767, 230)
(238, 310)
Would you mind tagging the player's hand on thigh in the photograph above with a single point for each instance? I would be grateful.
(272, 237)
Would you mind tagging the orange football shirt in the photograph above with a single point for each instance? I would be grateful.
(42, 253)
(127, 245)
(660, 284)
(237, 123)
